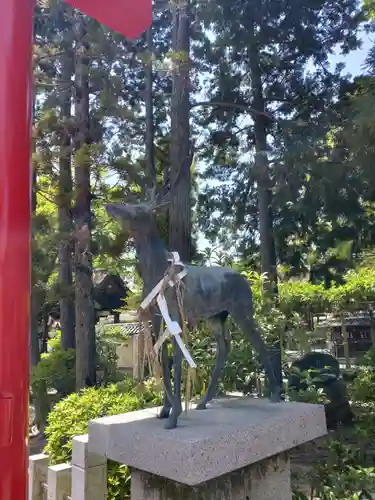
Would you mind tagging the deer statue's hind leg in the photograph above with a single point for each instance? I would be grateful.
(222, 341)
(245, 321)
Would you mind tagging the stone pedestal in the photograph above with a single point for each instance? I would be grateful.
(266, 480)
(237, 449)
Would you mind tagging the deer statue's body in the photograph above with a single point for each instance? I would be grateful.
(210, 293)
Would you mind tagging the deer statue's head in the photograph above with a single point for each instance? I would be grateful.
(138, 217)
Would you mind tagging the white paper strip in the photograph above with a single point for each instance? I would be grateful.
(172, 327)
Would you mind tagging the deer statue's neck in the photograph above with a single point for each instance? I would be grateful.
(152, 258)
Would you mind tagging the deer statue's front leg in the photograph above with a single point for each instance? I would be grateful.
(168, 393)
(167, 402)
(172, 407)
(176, 409)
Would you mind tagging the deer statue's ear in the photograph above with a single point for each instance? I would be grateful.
(121, 211)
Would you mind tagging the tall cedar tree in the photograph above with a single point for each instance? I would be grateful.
(84, 297)
(180, 221)
(65, 185)
(259, 54)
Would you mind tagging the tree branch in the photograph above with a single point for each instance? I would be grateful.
(241, 107)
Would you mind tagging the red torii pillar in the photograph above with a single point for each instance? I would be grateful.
(129, 17)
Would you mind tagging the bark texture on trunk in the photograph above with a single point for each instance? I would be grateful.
(267, 243)
(67, 311)
(180, 150)
(84, 303)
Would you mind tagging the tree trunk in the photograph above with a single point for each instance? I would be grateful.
(67, 312)
(84, 303)
(180, 177)
(149, 135)
(267, 242)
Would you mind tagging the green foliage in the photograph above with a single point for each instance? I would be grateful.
(302, 296)
(270, 318)
(239, 369)
(107, 361)
(56, 369)
(363, 388)
(359, 287)
(344, 475)
(315, 205)
(282, 318)
(347, 471)
(70, 417)
(341, 478)
(312, 393)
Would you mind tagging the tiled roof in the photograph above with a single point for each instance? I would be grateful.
(352, 320)
(133, 328)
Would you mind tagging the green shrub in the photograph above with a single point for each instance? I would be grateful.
(343, 476)
(56, 369)
(311, 393)
(363, 387)
(240, 367)
(70, 417)
(107, 361)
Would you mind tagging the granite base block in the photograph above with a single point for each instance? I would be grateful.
(266, 480)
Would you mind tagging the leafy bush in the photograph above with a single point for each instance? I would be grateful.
(107, 361)
(363, 388)
(56, 372)
(70, 417)
(56, 369)
(240, 367)
(346, 473)
(342, 476)
(307, 387)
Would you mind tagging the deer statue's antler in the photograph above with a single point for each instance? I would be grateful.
(160, 199)
(151, 194)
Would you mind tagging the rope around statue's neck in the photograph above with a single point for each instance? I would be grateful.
(172, 327)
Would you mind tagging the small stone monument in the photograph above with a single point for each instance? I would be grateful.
(324, 372)
(238, 449)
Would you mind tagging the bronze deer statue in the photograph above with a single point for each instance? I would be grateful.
(210, 293)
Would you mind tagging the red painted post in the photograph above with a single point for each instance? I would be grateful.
(15, 120)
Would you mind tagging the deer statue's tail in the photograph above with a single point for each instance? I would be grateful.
(243, 317)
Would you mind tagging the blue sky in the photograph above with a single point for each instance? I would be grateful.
(354, 60)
